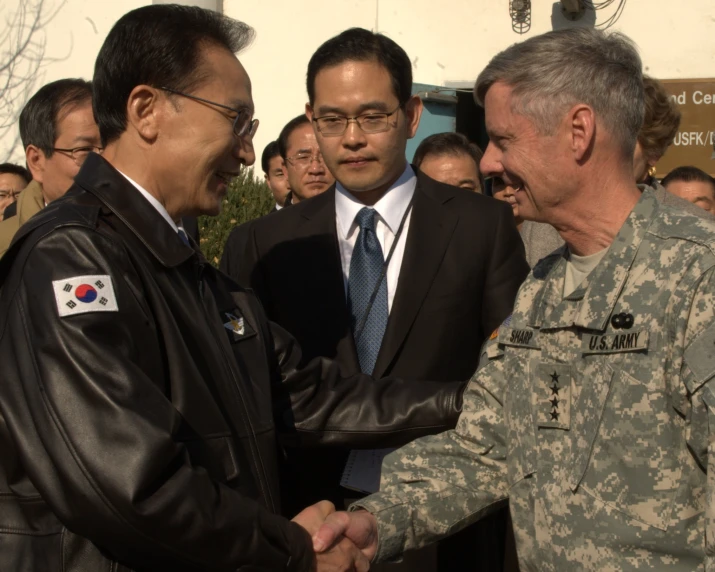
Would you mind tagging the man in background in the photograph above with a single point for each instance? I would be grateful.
(58, 132)
(389, 272)
(307, 174)
(13, 178)
(693, 185)
(275, 175)
(450, 158)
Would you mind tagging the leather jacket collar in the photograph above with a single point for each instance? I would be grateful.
(103, 181)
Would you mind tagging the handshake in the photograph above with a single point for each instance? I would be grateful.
(343, 542)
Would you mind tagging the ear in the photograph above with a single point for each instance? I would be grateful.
(413, 112)
(145, 111)
(35, 159)
(582, 130)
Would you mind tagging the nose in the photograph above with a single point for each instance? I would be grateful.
(317, 166)
(243, 150)
(490, 165)
(354, 137)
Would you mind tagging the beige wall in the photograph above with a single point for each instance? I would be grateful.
(447, 40)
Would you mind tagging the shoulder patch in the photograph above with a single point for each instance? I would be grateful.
(82, 294)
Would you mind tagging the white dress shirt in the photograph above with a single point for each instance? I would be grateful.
(390, 209)
(153, 202)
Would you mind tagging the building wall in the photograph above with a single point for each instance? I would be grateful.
(448, 41)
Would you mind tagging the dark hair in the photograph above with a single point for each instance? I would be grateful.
(291, 126)
(449, 144)
(360, 45)
(688, 174)
(158, 45)
(12, 169)
(269, 152)
(41, 114)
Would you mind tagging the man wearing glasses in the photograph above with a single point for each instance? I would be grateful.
(307, 174)
(399, 274)
(142, 390)
(58, 132)
(13, 178)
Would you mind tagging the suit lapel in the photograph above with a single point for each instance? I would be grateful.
(319, 220)
(429, 234)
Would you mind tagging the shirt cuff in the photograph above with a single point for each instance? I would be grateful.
(393, 517)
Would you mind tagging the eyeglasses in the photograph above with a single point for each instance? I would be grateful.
(331, 125)
(9, 194)
(304, 160)
(79, 154)
(243, 124)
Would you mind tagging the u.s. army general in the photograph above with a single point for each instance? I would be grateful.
(592, 406)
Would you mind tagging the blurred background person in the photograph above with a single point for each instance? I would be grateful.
(661, 121)
(540, 239)
(275, 175)
(451, 158)
(660, 125)
(307, 174)
(693, 185)
(13, 178)
(58, 132)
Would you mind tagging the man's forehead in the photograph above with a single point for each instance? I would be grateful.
(225, 73)
(302, 136)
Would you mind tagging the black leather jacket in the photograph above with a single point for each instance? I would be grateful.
(146, 438)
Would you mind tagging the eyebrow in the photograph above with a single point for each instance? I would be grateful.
(239, 104)
(90, 141)
(379, 106)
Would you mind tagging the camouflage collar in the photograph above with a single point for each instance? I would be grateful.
(591, 305)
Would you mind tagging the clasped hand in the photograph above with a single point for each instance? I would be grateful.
(343, 542)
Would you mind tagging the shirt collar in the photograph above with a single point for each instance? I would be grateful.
(152, 200)
(391, 207)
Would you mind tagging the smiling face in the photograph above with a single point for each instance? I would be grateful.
(307, 174)
(366, 164)
(503, 192)
(529, 162)
(458, 170)
(197, 152)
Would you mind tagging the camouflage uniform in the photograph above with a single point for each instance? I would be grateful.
(589, 413)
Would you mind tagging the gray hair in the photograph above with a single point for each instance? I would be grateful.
(554, 71)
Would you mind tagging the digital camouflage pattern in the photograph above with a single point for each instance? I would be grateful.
(589, 413)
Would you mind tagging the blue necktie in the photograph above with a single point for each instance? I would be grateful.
(365, 270)
(183, 236)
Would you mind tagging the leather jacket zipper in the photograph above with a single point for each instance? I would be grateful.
(262, 477)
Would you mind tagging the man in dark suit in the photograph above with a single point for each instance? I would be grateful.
(274, 173)
(454, 258)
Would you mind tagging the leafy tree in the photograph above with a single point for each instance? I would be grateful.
(247, 198)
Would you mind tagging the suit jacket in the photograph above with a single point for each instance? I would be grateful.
(463, 264)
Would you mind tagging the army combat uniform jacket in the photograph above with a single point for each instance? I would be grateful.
(590, 413)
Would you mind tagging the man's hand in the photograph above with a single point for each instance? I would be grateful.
(360, 527)
(341, 555)
(313, 517)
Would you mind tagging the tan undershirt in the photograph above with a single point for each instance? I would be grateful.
(578, 267)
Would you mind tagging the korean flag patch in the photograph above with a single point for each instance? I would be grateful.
(83, 294)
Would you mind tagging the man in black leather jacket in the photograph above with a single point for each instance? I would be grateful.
(142, 390)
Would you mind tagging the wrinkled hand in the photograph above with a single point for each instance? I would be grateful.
(342, 555)
(360, 527)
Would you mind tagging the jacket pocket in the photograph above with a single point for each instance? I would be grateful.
(627, 447)
(217, 455)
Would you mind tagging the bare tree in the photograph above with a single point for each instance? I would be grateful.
(22, 55)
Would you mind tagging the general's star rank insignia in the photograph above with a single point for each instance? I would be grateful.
(552, 395)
